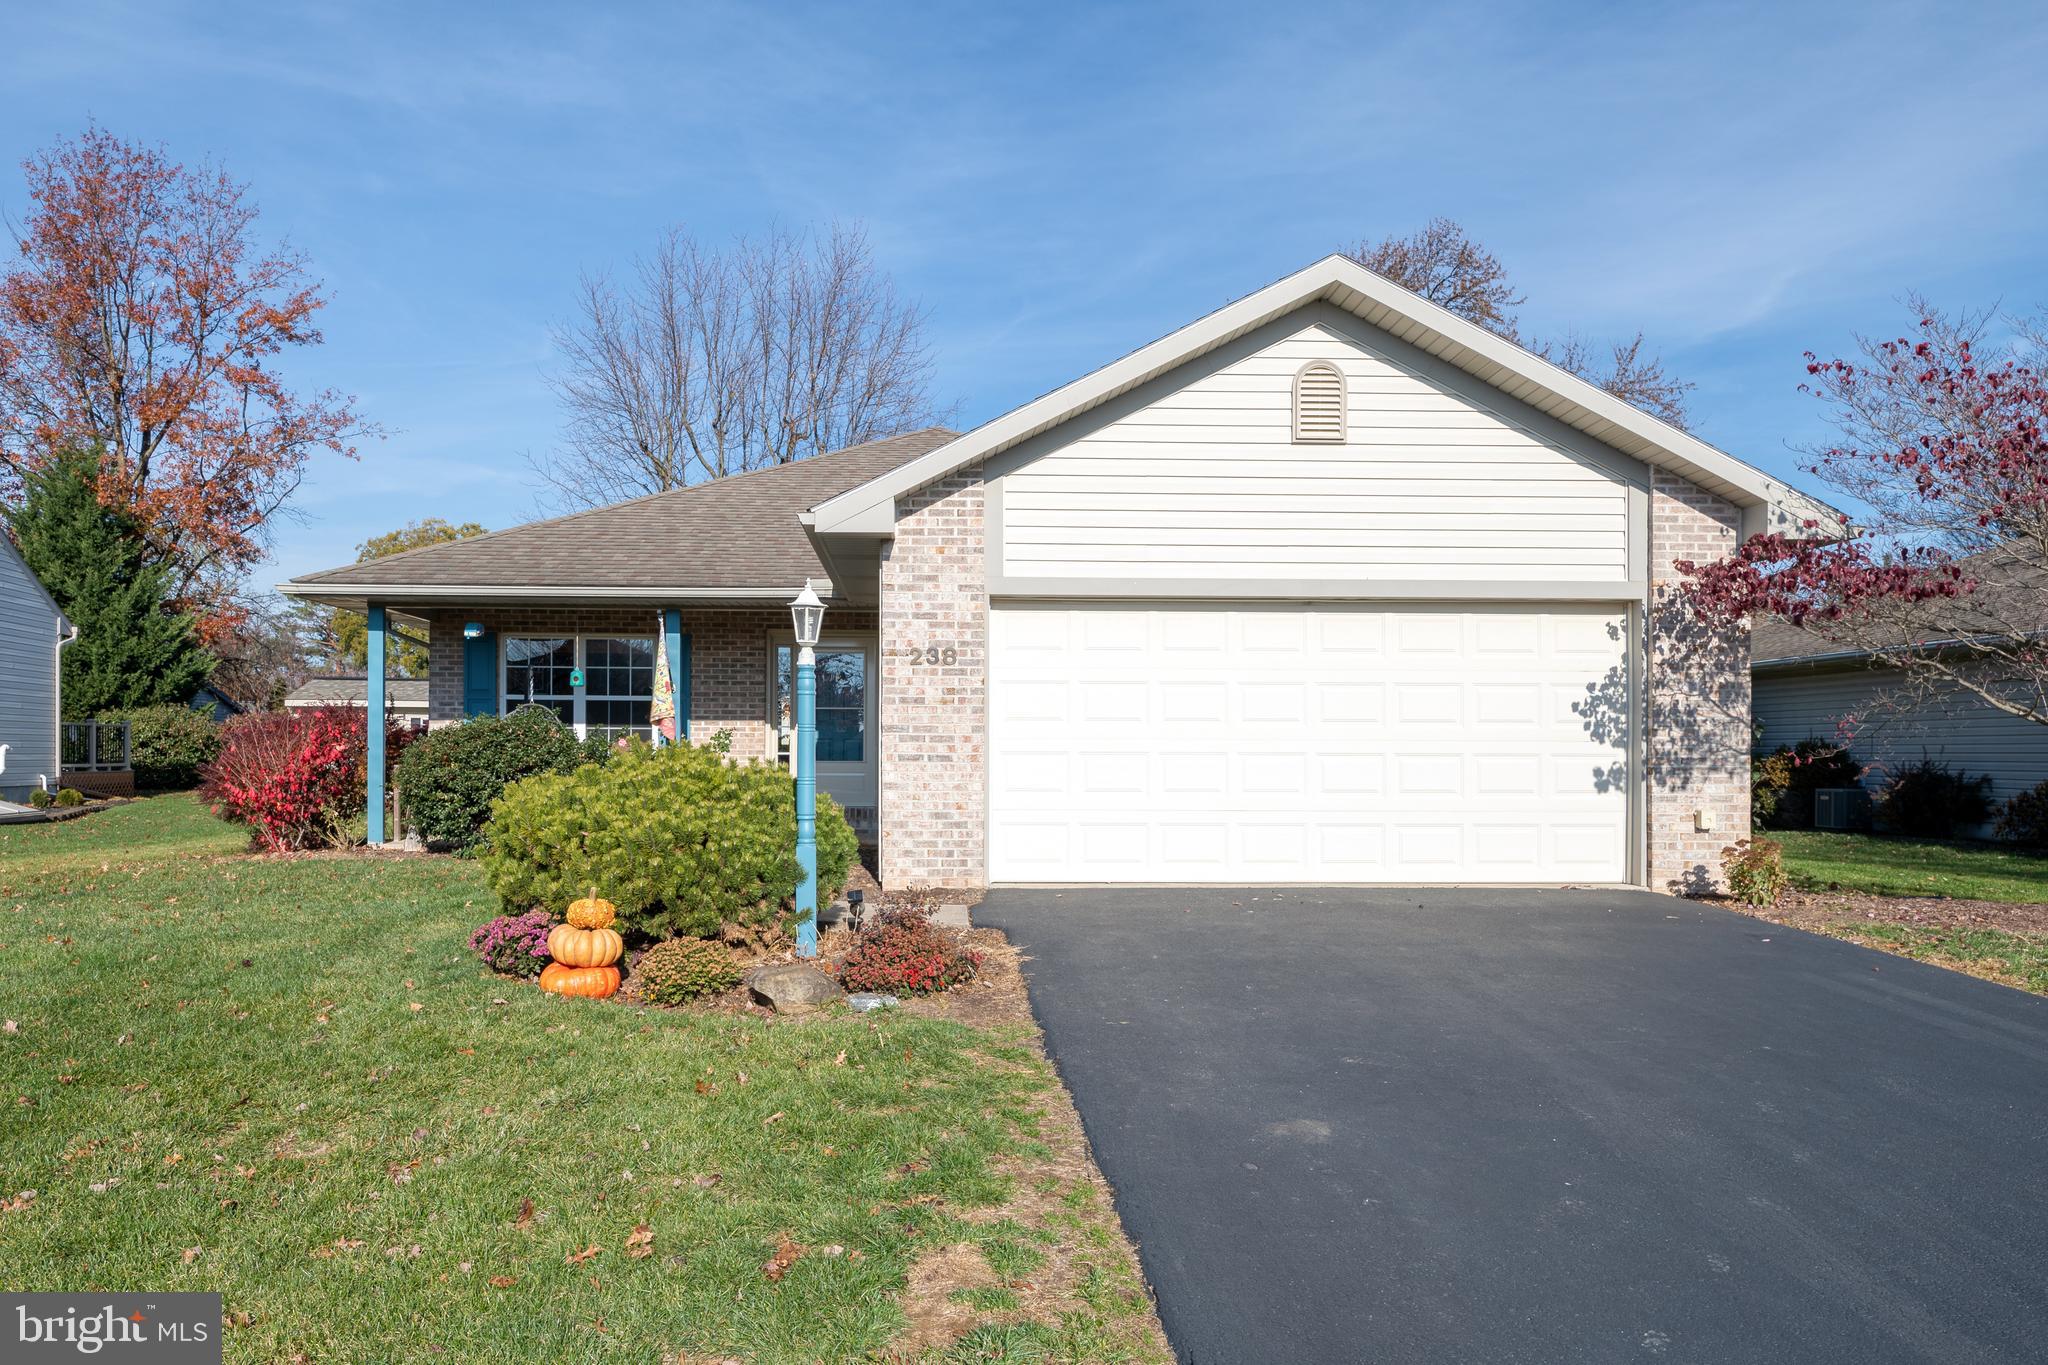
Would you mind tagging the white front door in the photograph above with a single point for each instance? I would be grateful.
(1308, 744)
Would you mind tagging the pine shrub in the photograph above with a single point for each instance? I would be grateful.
(70, 796)
(684, 842)
(679, 969)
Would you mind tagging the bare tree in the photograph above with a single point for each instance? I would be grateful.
(1444, 265)
(712, 362)
(1636, 379)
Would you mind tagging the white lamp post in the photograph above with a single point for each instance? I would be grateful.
(807, 613)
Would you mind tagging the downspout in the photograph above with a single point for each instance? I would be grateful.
(57, 691)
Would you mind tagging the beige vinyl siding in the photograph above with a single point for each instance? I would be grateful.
(1958, 731)
(1210, 481)
(28, 679)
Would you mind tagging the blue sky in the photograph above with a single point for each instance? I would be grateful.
(1057, 185)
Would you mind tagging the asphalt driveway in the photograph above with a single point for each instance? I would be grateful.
(1547, 1126)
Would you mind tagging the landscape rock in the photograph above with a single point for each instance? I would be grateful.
(868, 1000)
(792, 987)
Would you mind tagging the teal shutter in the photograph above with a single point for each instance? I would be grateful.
(480, 675)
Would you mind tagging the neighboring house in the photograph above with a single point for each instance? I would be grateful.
(215, 703)
(1808, 687)
(404, 698)
(32, 632)
(1327, 586)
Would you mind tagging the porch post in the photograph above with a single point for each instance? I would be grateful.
(373, 720)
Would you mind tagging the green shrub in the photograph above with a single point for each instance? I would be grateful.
(70, 796)
(449, 777)
(684, 842)
(1755, 869)
(2025, 819)
(41, 799)
(1931, 801)
(679, 969)
(168, 745)
(1782, 782)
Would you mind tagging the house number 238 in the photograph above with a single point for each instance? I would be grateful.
(935, 654)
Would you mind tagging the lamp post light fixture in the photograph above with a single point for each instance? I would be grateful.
(807, 613)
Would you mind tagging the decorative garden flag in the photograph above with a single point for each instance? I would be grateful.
(664, 713)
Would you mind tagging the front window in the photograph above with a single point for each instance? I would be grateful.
(618, 688)
(614, 695)
(537, 673)
(842, 703)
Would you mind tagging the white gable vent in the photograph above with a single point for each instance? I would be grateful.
(1319, 404)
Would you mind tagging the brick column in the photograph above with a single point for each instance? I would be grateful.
(1698, 697)
(934, 712)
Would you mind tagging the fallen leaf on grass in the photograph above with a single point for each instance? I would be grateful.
(10, 1027)
(640, 1243)
(189, 1255)
(775, 1117)
(503, 1281)
(525, 1218)
(579, 1257)
(787, 1254)
(705, 1182)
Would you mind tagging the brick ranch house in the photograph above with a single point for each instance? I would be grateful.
(1327, 586)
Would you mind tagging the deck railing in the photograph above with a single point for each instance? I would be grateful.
(95, 746)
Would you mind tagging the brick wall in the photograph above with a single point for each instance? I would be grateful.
(728, 657)
(1698, 697)
(934, 717)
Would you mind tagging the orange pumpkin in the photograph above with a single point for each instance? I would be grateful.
(573, 947)
(592, 913)
(594, 982)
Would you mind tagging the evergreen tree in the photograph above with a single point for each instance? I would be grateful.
(131, 649)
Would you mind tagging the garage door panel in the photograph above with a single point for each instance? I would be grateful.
(1303, 745)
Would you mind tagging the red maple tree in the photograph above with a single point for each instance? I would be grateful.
(143, 320)
(1947, 578)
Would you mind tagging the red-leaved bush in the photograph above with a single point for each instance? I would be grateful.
(296, 779)
(905, 952)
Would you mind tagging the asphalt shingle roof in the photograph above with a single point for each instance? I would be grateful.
(736, 532)
(400, 692)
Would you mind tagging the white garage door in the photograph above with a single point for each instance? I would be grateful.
(1132, 744)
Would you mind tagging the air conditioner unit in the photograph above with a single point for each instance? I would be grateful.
(1841, 808)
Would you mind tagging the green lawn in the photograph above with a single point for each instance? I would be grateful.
(2016, 959)
(1883, 866)
(288, 1081)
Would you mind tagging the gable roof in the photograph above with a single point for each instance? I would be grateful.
(1768, 503)
(730, 538)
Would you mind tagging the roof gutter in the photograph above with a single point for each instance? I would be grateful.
(479, 592)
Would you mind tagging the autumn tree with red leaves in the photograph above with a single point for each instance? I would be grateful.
(1947, 579)
(143, 321)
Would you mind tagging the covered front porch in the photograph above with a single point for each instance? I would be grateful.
(593, 665)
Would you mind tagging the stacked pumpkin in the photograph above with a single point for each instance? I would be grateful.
(585, 950)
